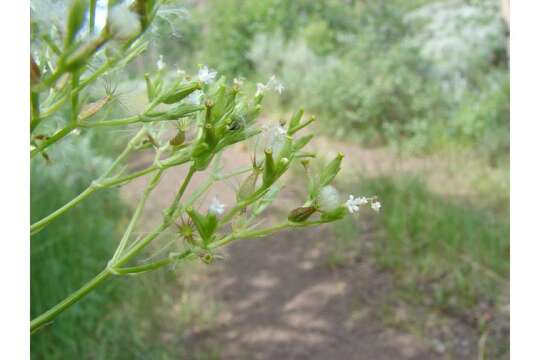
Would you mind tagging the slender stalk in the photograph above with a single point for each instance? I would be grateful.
(57, 136)
(41, 224)
(137, 214)
(153, 265)
(56, 310)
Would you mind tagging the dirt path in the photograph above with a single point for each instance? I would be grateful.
(279, 299)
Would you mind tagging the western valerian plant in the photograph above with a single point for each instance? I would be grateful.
(210, 115)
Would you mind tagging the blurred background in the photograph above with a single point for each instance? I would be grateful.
(414, 92)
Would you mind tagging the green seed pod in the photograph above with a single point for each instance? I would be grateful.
(335, 214)
(330, 171)
(178, 139)
(76, 14)
(248, 186)
(180, 92)
(303, 141)
(295, 121)
(182, 110)
(301, 214)
(269, 168)
(200, 222)
(210, 135)
(200, 149)
(150, 91)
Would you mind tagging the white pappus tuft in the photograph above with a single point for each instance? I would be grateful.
(160, 63)
(123, 23)
(329, 198)
(195, 97)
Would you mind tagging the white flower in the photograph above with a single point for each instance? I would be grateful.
(353, 203)
(206, 75)
(261, 88)
(195, 97)
(123, 23)
(329, 198)
(279, 88)
(160, 63)
(376, 206)
(275, 84)
(216, 207)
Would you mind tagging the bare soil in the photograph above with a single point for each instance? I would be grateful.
(279, 298)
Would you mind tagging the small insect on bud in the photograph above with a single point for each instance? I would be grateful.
(301, 214)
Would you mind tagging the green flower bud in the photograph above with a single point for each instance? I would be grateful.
(303, 141)
(76, 15)
(336, 214)
(330, 171)
(295, 121)
(150, 91)
(248, 186)
(301, 214)
(205, 225)
(269, 168)
(182, 110)
(178, 139)
(180, 92)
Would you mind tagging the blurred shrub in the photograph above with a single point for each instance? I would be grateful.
(232, 25)
(398, 75)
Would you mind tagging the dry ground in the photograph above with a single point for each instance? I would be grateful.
(279, 300)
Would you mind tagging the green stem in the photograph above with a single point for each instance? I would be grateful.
(153, 265)
(41, 224)
(57, 136)
(53, 312)
(137, 214)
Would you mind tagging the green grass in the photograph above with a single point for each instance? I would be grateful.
(449, 257)
(126, 318)
(455, 251)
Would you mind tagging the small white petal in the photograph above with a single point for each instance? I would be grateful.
(206, 75)
(376, 206)
(216, 207)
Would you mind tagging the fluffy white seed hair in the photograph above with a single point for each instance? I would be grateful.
(329, 198)
(123, 23)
